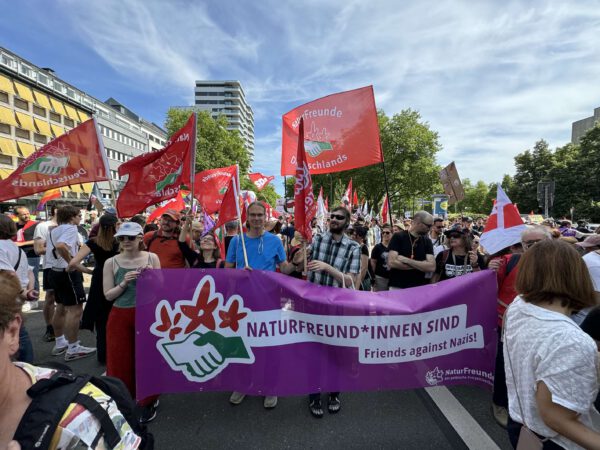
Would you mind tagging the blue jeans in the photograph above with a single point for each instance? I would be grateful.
(34, 261)
(25, 353)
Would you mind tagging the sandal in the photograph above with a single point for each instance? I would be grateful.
(333, 404)
(316, 409)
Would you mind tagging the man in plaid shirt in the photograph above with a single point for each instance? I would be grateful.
(335, 262)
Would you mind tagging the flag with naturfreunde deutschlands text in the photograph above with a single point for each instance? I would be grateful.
(157, 176)
(341, 132)
(210, 186)
(75, 157)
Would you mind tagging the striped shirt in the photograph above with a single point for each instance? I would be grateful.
(343, 255)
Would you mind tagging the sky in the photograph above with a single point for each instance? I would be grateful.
(491, 77)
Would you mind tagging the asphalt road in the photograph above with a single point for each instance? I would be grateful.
(373, 420)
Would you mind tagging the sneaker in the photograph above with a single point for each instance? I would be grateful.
(316, 409)
(270, 402)
(59, 350)
(500, 415)
(79, 352)
(236, 398)
(48, 337)
(148, 413)
(333, 404)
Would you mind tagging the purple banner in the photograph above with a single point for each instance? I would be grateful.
(269, 334)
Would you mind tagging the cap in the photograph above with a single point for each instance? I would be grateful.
(467, 219)
(455, 229)
(271, 224)
(110, 210)
(129, 229)
(172, 214)
(108, 220)
(590, 241)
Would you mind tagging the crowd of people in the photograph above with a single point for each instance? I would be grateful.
(546, 375)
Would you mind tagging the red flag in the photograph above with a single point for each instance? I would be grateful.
(260, 181)
(341, 133)
(210, 187)
(347, 197)
(230, 207)
(326, 203)
(504, 226)
(75, 157)
(156, 176)
(385, 210)
(177, 204)
(305, 207)
(355, 199)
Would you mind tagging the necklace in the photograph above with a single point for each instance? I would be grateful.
(413, 244)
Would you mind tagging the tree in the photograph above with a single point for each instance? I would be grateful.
(216, 146)
(476, 198)
(409, 148)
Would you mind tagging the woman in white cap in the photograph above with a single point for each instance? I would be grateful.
(120, 277)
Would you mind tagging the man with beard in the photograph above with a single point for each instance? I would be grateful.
(335, 262)
(164, 242)
(411, 254)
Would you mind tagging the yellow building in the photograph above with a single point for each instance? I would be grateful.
(36, 107)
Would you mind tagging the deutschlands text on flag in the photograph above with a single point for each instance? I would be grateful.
(50, 181)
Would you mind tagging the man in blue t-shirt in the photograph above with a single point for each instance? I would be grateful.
(265, 252)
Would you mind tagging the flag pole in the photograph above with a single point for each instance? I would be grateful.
(387, 190)
(239, 217)
(193, 162)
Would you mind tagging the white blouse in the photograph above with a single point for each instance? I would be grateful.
(548, 346)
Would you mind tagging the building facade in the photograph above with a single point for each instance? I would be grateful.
(36, 107)
(579, 128)
(227, 98)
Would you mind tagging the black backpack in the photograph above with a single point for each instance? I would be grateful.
(51, 397)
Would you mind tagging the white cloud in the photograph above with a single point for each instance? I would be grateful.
(494, 76)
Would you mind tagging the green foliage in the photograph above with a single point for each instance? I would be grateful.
(575, 170)
(268, 193)
(216, 146)
(409, 148)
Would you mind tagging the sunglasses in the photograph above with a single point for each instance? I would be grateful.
(386, 232)
(337, 216)
(126, 238)
(455, 236)
(428, 225)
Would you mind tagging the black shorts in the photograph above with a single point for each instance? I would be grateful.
(46, 280)
(68, 287)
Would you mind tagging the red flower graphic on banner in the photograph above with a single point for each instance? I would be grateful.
(232, 317)
(202, 312)
(167, 325)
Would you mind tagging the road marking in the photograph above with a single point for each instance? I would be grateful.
(464, 424)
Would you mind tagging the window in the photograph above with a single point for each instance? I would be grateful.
(39, 138)
(20, 132)
(27, 71)
(39, 111)
(43, 79)
(5, 159)
(4, 128)
(55, 117)
(8, 61)
(3, 97)
(20, 161)
(59, 87)
(21, 104)
(69, 122)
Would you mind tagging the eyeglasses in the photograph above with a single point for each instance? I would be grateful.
(455, 236)
(527, 244)
(428, 225)
(128, 238)
(386, 232)
(337, 216)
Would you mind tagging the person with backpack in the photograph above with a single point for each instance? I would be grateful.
(506, 271)
(49, 409)
(164, 242)
(459, 259)
(119, 281)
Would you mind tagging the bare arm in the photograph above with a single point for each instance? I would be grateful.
(63, 251)
(364, 266)
(287, 267)
(394, 261)
(346, 279)
(424, 266)
(75, 263)
(39, 246)
(564, 421)
(111, 291)
(373, 263)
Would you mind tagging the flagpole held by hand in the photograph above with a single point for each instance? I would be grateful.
(239, 217)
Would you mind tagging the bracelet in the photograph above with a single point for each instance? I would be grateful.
(122, 287)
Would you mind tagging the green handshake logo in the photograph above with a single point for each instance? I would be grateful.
(47, 165)
(205, 355)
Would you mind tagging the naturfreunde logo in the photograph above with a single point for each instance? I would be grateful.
(202, 336)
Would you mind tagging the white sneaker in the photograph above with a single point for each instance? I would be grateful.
(79, 352)
(236, 398)
(58, 350)
(270, 402)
